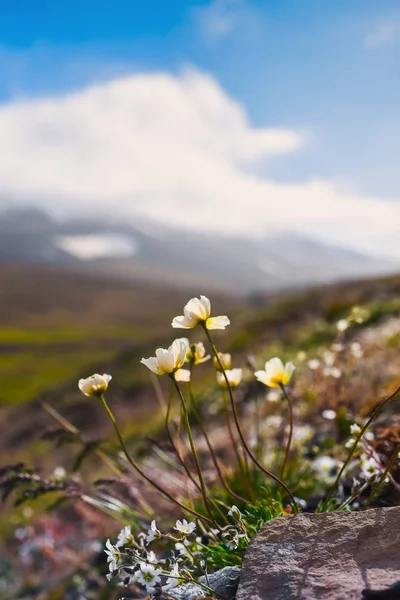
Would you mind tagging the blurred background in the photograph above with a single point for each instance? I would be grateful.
(150, 151)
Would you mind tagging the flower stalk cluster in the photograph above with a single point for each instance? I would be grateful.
(130, 556)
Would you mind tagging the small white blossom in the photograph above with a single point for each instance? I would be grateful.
(234, 377)
(235, 513)
(350, 443)
(173, 580)
(332, 372)
(337, 347)
(59, 473)
(184, 527)
(198, 310)
(149, 576)
(275, 373)
(329, 358)
(369, 467)
(325, 465)
(355, 429)
(95, 385)
(124, 537)
(182, 549)
(153, 533)
(356, 350)
(314, 364)
(196, 354)
(274, 395)
(152, 558)
(168, 361)
(113, 556)
(225, 359)
(342, 325)
(329, 414)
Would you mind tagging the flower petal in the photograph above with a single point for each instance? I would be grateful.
(217, 322)
(184, 322)
(151, 363)
(165, 360)
(182, 375)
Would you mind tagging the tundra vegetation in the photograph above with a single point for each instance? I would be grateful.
(308, 423)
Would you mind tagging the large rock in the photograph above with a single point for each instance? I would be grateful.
(332, 556)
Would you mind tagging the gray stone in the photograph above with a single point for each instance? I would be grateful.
(331, 556)
(224, 582)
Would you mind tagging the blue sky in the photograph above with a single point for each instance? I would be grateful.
(327, 70)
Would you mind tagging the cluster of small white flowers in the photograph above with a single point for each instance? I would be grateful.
(144, 567)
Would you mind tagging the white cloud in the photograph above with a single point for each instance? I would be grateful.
(176, 149)
(383, 33)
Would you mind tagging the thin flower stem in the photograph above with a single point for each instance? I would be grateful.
(375, 413)
(207, 439)
(244, 472)
(353, 497)
(142, 473)
(382, 478)
(177, 452)
(193, 449)
(289, 441)
(239, 430)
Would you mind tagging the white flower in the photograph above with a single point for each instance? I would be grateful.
(314, 364)
(328, 358)
(274, 395)
(95, 385)
(196, 354)
(182, 375)
(124, 536)
(276, 373)
(225, 359)
(173, 580)
(152, 558)
(273, 421)
(342, 325)
(168, 361)
(325, 465)
(332, 372)
(369, 467)
(153, 533)
(337, 347)
(198, 310)
(59, 473)
(235, 513)
(356, 350)
(149, 576)
(234, 377)
(329, 414)
(302, 434)
(355, 429)
(185, 527)
(113, 556)
(182, 549)
(350, 443)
